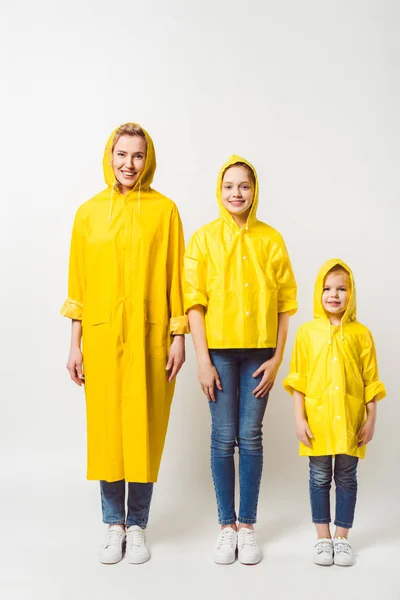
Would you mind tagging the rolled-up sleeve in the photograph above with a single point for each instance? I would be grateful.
(194, 276)
(287, 287)
(373, 387)
(297, 378)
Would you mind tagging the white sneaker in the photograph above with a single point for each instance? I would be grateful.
(248, 551)
(323, 552)
(225, 546)
(342, 552)
(136, 550)
(111, 550)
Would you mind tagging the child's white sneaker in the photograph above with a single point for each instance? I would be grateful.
(225, 547)
(111, 550)
(136, 550)
(323, 552)
(342, 552)
(248, 551)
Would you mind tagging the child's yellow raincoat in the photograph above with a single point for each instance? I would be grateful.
(242, 276)
(125, 285)
(336, 369)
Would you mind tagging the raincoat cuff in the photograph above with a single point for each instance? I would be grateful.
(291, 307)
(72, 309)
(374, 390)
(295, 381)
(179, 325)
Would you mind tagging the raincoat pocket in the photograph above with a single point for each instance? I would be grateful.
(97, 313)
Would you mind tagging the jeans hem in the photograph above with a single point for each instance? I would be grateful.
(141, 525)
(247, 521)
(321, 521)
(226, 521)
(113, 522)
(344, 525)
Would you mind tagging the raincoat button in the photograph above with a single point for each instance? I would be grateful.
(246, 285)
(247, 313)
(338, 417)
(334, 358)
(244, 257)
(337, 387)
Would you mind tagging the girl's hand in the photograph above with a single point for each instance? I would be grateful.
(366, 432)
(176, 356)
(303, 432)
(270, 369)
(208, 376)
(74, 366)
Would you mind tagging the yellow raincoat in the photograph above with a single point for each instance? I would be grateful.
(242, 276)
(336, 369)
(125, 285)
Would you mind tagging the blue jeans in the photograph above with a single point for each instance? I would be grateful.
(345, 475)
(237, 418)
(113, 503)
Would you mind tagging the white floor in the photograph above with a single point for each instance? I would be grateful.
(53, 554)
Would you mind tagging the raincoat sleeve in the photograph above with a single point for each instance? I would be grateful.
(287, 288)
(297, 378)
(178, 320)
(73, 305)
(194, 279)
(374, 388)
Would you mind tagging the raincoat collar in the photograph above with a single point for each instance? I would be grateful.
(319, 312)
(225, 214)
(145, 180)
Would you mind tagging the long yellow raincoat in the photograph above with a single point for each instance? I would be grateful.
(242, 277)
(125, 285)
(336, 369)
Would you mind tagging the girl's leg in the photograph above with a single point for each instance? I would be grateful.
(139, 500)
(224, 416)
(113, 502)
(320, 485)
(346, 493)
(251, 414)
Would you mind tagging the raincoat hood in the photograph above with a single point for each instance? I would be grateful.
(225, 214)
(319, 311)
(146, 178)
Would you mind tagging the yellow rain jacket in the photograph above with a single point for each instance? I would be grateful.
(242, 276)
(336, 369)
(125, 285)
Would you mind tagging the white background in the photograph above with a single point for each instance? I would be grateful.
(307, 91)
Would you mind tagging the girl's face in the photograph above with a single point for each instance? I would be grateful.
(128, 160)
(237, 193)
(335, 295)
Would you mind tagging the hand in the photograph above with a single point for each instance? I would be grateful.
(366, 432)
(208, 376)
(176, 356)
(303, 432)
(270, 370)
(74, 366)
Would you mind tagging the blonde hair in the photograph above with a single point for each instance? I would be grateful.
(248, 169)
(130, 129)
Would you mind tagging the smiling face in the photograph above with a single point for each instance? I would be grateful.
(237, 193)
(335, 295)
(128, 160)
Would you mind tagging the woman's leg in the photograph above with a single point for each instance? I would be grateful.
(113, 502)
(224, 416)
(139, 500)
(251, 414)
(320, 485)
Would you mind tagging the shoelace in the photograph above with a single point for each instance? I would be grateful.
(226, 537)
(247, 538)
(135, 538)
(113, 538)
(324, 547)
(342, 547)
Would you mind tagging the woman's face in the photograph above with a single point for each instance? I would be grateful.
(128, 160)
(237, 193)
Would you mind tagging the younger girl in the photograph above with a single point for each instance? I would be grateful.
(239, 291)
(335, 384)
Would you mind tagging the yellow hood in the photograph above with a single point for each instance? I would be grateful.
(225, 214)
(147, 175)
(319, 312)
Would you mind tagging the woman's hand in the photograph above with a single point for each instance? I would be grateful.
(366, 432)
(74, 365)
(208, 376)
(303, 432)
(270, 369)
(176, 356)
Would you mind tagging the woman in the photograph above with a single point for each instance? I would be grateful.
(125, 301)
